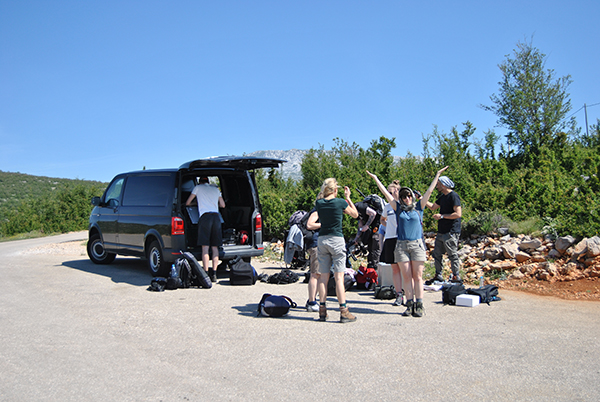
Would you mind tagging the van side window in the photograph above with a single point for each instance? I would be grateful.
(148, 190)
(114, 191)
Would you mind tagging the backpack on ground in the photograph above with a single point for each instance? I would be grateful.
(199, 277)
(348, 283)
(241, 273)
(449, 292)
(274, 306)
(283, 277)
(385, 292)
(366, 278)
(487, 293)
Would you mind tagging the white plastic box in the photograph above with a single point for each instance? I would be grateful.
(467, 300)
(385, 275)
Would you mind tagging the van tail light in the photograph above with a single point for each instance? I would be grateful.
(177, 226)
(258, 223)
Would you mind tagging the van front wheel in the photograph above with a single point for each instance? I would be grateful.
(97, 252)
(156, 261)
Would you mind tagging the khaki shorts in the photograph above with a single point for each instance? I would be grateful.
(410, 250)
(332, 254)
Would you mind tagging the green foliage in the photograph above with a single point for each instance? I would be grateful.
(44, 205)
(532, 103)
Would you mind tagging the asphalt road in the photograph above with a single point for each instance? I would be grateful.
(75, 331)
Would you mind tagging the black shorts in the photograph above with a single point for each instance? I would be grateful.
(387, 254)
(209, 230)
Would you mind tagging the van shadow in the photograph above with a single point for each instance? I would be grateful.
(123, 270)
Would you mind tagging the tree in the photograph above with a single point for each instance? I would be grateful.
(532, 103)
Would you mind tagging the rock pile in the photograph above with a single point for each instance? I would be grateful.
(521, 257)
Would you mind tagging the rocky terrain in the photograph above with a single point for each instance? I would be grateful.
(563, 267)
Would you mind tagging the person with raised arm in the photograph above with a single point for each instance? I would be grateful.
(410, 248)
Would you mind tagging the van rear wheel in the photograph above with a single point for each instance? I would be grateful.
(97, 252)
(156, 261)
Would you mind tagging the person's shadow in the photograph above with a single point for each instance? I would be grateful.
(133, 271)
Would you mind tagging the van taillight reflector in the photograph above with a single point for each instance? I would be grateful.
(177, 226)
(258, 223)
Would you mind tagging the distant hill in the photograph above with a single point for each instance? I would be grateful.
(16, 187)
(292, 168)
(293, 157)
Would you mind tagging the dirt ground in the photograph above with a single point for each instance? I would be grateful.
(582, 289)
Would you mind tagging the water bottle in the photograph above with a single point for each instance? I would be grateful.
(481, 281)
(173, 271)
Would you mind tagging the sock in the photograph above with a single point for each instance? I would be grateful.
(322, 303)
(343, 305)
(419, 300)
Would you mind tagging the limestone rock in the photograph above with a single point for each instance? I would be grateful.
(563, 243)
(530, 244)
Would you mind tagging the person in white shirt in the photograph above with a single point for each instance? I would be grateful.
(209, 226)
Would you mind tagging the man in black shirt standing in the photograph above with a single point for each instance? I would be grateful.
(448, 232)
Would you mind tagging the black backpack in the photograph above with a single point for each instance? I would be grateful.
(385, 292)
(283, 277)
(449, 292)
(348, 283)
(487, 293)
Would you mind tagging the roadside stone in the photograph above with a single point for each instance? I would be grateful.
(580, 249)
(538, 258)
(492, 253)
(563, 243)
(509, 250)
(522, 256)
(593, 246)
(554, 254)
(516, 274)
(503, 265)
(530, 244)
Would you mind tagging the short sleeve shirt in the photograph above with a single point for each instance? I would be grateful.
(330, 215)
(208, 198)
(447, 202)
(410, 226)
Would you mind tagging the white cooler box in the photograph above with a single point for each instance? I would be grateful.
(384, 274)
(467, 300)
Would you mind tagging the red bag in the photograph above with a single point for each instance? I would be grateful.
(366, 278)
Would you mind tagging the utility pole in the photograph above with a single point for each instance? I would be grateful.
(586, 123)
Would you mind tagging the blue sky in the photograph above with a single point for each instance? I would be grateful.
(89, 89)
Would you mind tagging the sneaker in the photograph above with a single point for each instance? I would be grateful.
(409, 308)
(418, 310)
(312, 307)
(399, 300)
(346, 316)
(212, 276)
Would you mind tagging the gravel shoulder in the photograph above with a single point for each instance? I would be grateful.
(73, 330)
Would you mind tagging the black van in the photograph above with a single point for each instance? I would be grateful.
(143, 213)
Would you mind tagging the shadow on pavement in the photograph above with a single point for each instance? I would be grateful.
(123, 270)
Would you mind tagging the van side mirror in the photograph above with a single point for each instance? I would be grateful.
(95, 201)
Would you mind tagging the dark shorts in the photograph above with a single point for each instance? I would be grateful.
(387, 254)
(209, 230)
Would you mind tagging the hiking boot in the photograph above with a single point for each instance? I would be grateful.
(312, 307)
(346, 316)
(456, 279)
(437, 278)
(418, 310)
(322, 313)
(409, 308)
(399, 300)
